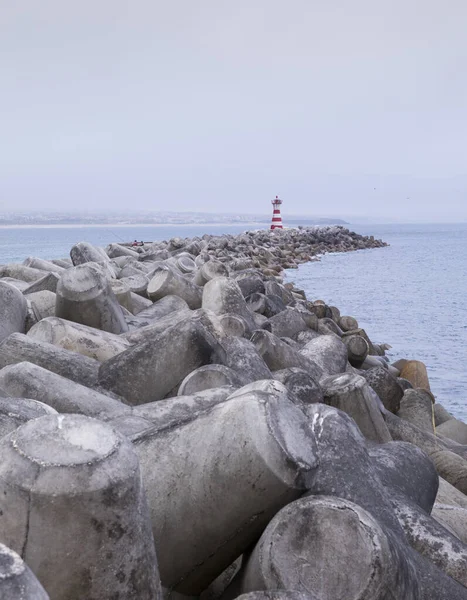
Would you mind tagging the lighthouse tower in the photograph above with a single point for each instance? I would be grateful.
(276, 214)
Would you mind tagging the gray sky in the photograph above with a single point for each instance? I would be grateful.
(218, 105)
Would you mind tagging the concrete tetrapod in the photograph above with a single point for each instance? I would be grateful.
(410, 477)
(60, 466)
(415, 372)
(350, 393)
(166, 281)
(357, 349)
(454, 430)
(347, 471)
(441, 414)
(328, 352)
(240, 355)
(287, 323)
(21, 272)
(416, 407)
(454, 518)
(85, 340)
(43, 265)
(17, 582)
(163, 307)
(84, 252)
(300, 384)
(48, 282)
(224, 296)
(224, 475)
(25, 380)
(331, 548)
(18, 348)
(151, 369)
(386, 386)
(16, 411)
(278, 355)
(207, 377)
(13, 310)
(210, 270)
(84, 296)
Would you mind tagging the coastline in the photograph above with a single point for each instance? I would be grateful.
(233, 397)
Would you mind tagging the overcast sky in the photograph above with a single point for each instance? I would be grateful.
(342, 107)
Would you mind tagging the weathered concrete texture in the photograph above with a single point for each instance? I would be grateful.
(18, 348)
(138, 284)
(158, 310)
(416, 407)
(48, 282)
(114, 250)
(166, 281)
(278, 595)
(348, 471)
(350, 393)
(16, 283)
(331, 548)
(173, 412)
(300, 384)
(84, 252)
(441, 414)
(122, 292)
(415, 372)
(84, 296)
(151, 369)
(43, 265)
(386, 386)
(357, 349)
(448, 494)
(454, 518)
(17, 581)
(89, 341)
(139, 303)
(13, 310)
(408, 470)
(78, 477)
(223, 296)
(21, 272)
(42, 304)
(287, 323)
(453, 429)
(278, 355)
(16, 411)
(25, 380)
(240, 355)
(210, 270)
(207, 377)
(257, 446)
(328, 352)
(233, 325)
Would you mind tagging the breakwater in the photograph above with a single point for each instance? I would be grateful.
(178, 421)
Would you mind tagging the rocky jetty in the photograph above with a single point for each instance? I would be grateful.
(177, 421)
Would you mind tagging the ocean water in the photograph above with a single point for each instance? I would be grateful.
(411, 294)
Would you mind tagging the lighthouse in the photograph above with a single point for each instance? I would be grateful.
(276, 213)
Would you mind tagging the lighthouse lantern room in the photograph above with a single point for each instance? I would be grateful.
(276, 214)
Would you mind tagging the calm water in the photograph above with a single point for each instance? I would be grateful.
(410, 295)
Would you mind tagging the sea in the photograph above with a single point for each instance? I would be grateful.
(411, 294)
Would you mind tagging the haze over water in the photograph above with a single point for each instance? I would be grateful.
(410, 294)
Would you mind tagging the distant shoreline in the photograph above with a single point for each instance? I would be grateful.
(127, 225)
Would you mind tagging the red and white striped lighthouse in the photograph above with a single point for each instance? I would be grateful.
(276, 214)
